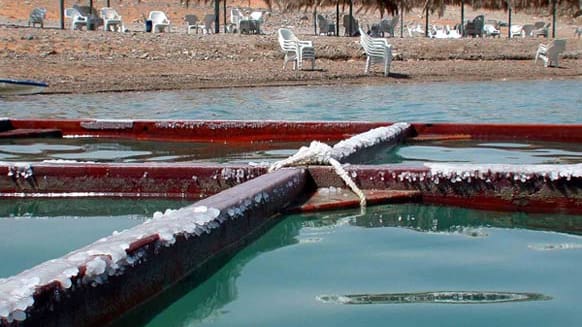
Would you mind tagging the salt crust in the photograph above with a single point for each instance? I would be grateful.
(467, 172)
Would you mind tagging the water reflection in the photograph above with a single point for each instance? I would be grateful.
(443, 219)
(85, 207)
(99, 150)
(201, 297)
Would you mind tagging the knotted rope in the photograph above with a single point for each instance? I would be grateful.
(320, 154)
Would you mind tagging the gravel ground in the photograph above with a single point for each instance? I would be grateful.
(97, 61)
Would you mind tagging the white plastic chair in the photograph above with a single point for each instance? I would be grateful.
(160, 21)
(37, 16)
(77, 20)
(452, 33)
(295, 50)
(207, 23)
(111, 20)
(191, 23)
(549, 53)
(491, 31)
(378, 51)
(516, 30)
(236, 17)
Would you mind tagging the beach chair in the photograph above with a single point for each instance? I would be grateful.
(207, 23)
(541, 29)
(475, 27)
(515, 30)
(325, 27)
(527, 30)
(295, 50)
(111, 20)
(490, 29)
(236, 17)
(453, 33)
(37, 16)
(549, 53)
(77, 19)
(354, 26)
(378, 51)
(160, 22)
(191, 23)
(387, 26)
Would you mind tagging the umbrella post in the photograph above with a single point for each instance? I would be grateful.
(216, 16)
(351, 18)
(426, 23)
(62, 8)
(462, 29)
(554, 5)
(337, 18)
(401, 20)
(315, 21)
(509, 23)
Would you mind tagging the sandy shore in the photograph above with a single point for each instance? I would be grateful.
(97, 61)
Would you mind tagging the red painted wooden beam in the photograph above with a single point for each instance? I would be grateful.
(500, 190)
(246, 131)
(159, 180)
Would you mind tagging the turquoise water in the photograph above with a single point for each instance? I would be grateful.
(128, 151)
(510, 101)
(278, 280)
(112, 150)
(36, 230)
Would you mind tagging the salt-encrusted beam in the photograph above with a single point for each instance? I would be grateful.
(139, 180)
(531, 188)
(98, 283)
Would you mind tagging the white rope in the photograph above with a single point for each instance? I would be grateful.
(320, 154)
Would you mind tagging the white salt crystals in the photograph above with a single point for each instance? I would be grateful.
(518, 173)
(368, 139)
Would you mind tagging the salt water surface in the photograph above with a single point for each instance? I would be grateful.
(509, 101)
(498, 269)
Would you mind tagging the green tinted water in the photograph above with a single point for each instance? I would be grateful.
(99, 150)
(35, 230)
(280, 279)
